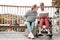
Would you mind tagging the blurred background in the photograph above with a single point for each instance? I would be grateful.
(12, 13)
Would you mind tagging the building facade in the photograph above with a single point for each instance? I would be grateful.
(5, 18)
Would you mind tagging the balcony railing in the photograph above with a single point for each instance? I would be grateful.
(15, 13)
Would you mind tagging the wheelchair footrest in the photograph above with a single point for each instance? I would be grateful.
(44, 32)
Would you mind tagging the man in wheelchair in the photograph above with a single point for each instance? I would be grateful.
(44, 26)
(44, 22)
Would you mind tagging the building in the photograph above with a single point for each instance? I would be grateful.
(5, 18)
(55, 2)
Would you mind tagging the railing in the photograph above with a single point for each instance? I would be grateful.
(12, 12)
(15, 13)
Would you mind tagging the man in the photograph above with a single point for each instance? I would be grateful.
(43, 20)
(30, 18)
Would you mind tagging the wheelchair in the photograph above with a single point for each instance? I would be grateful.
(44, 32)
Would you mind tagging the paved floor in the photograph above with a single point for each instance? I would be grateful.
(20, 36)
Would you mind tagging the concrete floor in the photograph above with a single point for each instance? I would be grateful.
(20, 36)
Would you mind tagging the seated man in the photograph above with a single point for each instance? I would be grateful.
(43, 19)
(30, 18)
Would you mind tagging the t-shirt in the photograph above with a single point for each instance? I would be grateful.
(30, 15)
(40, 11)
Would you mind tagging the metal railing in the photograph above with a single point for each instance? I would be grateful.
(15, 13)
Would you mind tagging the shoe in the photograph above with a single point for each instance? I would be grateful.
(31, 35)
(40, 35)
(33, 38)
(48, 34)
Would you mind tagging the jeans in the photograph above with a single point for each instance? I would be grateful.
(30, 26)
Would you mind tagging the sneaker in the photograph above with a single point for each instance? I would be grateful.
(48, 34)
(39, 34)
(31, 35)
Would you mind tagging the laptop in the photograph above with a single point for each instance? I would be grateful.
(43, 15)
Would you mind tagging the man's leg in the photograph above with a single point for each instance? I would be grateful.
(29, 29)
(30, 35)
(28, 26)
(47, 25)
(40, 25)
(32, 25)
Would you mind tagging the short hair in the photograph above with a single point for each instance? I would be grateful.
(41, 4)
(34, 6)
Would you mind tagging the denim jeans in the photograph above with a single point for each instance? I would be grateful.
(30, 26)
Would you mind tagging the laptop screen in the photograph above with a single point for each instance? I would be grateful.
(43, 14)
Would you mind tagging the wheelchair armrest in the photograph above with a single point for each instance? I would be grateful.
(38, 22)
(50, 19)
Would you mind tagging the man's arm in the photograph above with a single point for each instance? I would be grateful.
(26, 15)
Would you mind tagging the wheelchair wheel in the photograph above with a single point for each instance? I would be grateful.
(36, 35)
(50, 36)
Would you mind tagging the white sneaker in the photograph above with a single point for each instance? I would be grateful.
(48, 32)
(46, 29)
(39, 33)
(31, 35)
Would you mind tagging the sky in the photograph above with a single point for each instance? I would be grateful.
(25, 2)
(21, 3)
